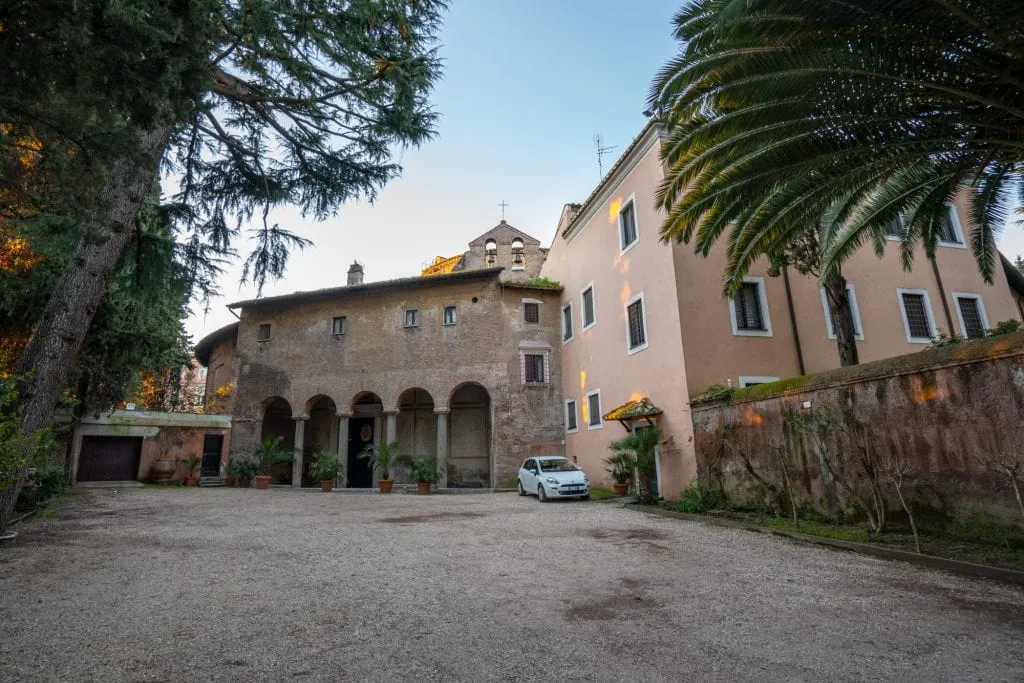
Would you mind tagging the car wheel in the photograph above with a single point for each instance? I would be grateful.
(522, 491)
(585, 496)
(541, 494)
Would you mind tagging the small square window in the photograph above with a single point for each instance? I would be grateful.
(263, 333)
(449, 316)
(533, 368)
(412, 317)
(570, 415)
(531, 312)
(338, 325)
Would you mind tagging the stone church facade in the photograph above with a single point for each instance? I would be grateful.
(461, 365)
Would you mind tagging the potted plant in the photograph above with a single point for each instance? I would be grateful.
(266, 455)
(247, 469)
(233, 472)
(642, 445)
(326, 467)
(191, 464)
(382, 458)
(423, 470)
(621, 466)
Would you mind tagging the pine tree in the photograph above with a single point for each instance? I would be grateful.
(251, 104)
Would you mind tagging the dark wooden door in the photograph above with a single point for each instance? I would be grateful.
(109, 458)
(213, 444)
(360, 433)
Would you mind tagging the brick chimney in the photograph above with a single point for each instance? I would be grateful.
(355, 274)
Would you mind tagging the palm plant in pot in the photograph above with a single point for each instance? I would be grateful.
(621, 466)
(327, 467)
(191, 464)
(642, 445)
(423, 470)
(266, 455)
(382, 457)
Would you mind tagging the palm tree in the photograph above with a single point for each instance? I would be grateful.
(270, 453)
(779, 113)
(642, 443)
(382, 457)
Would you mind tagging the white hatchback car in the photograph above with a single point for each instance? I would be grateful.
(553, 477)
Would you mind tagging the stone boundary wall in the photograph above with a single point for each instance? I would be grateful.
(948, 419)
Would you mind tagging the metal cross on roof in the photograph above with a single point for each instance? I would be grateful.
(503, 204)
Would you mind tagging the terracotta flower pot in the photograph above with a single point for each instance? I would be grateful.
(231, 482)
(190, 480)
(262, 481)
(326, 485)
(620, 489)
(243, 482)
(385, 485)
(424, 487)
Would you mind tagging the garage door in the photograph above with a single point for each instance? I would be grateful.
(109, 458)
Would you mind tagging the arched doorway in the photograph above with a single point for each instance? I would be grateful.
(278, 422)
(364, 428)
(417, 425)
(321, 433)
(469, 450)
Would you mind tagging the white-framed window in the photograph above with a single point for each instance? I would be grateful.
(594, 409)
(588, 307)
(518, 255)
(636, 324)
(531, 311)
(412, 317)
(754, 380)
(263, 332)
(628, 233)
(535, 366)
(748, 310)
(338, 324)
(571, 423)
(970, 313)
(951, 233)
(918, 321)
(830, 320)
(567, 322)
(896, 228)
(449, 316)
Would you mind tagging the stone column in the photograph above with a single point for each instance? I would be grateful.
(391, 426)
(300, 436)
(442, 446)
(343, 442)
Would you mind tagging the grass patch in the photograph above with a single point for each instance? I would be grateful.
(601, 494)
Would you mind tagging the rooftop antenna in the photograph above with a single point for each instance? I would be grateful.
(601, 151)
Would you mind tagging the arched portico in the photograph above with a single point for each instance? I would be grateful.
(416, 424)
(321, 433)
(468, 463)
(277, 422)
(364, 427)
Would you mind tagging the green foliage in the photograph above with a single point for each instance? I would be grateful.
(191, 464)
(423, 470)
(47, 483)
(1002, 327)
(643, 444)
(326, 466)
(270, 453)
(17, 449)
(716, 392)
(780, 114)
(698, 499)
(382, 457)
(621, 466)
(541, 282)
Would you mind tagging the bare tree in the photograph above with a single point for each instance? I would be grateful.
(894, 467)
(1008, 462)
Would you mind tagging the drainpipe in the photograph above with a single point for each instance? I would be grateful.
(792, 320)
(942, 293)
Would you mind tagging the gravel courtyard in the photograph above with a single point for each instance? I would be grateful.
(241, 585)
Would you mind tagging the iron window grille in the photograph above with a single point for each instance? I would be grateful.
(917, 316)
(748, 308)
(531, 312)
(635, 317)
(534, 368)
(970, 313)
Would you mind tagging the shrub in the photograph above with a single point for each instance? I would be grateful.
(698, 499)
(47, 483)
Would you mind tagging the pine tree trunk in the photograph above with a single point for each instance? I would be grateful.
(842, 316)
(61, 329)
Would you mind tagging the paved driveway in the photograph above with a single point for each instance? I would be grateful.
(233, 585)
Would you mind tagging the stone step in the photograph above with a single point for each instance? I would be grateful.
(211, 482)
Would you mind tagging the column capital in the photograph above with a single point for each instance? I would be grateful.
(301, 417)
(442, 411)
(343, 413)
(388, 413)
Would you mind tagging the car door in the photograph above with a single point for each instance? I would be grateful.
(526, 475)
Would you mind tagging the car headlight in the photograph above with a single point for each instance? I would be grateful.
(552, 481)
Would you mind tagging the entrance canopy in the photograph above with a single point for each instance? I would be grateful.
(642, 409)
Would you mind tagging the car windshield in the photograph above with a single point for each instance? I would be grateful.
(560, 465)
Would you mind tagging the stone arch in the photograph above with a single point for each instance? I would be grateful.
(363, 427)
(276, 421)
(417, 424)
(469, 450)
(321, 432)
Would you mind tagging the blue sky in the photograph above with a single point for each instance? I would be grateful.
(527, 84)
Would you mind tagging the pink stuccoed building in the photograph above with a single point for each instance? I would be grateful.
(642, 319)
